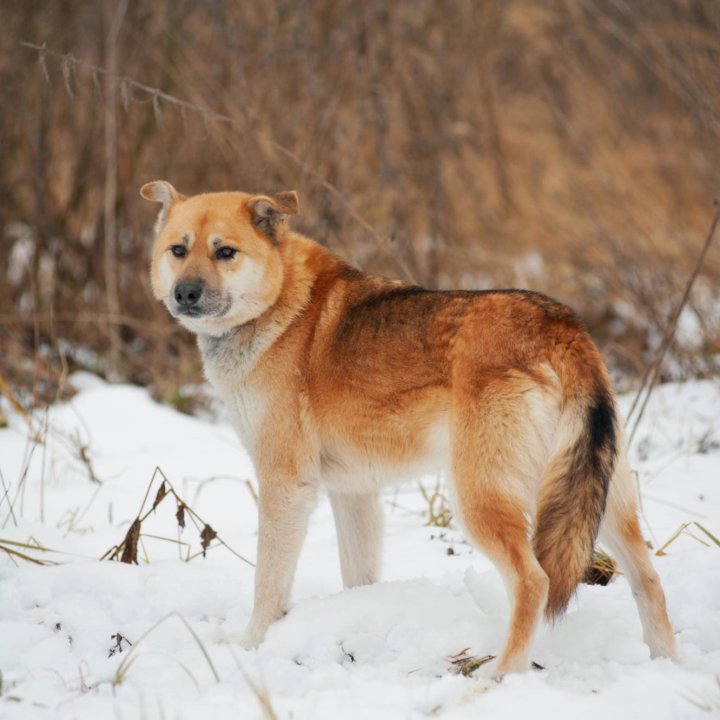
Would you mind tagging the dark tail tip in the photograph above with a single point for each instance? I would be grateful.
(602, 435)
(573, 504)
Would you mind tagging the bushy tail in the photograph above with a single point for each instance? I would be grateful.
(573, 493)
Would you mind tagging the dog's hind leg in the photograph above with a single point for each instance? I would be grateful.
(620, 533)
(359, 525)
(498, 526)
(491, 467)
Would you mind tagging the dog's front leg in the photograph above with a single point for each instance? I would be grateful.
(284, 508)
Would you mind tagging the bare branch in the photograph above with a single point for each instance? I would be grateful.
(652, 373)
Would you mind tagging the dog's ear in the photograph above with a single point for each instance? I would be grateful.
(163, 192)
(268, 212)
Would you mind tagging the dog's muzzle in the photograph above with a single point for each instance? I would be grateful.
(192, 299)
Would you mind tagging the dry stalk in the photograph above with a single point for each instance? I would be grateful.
(464, 664)
(6, 496)
(651, 375)
(683, 530)
(33, 441)
(116, 11)
(439, 512)
(601, 569)
(13, 548)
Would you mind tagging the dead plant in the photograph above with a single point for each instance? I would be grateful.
(127, 550)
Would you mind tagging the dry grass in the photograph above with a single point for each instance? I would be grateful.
(464, 664)
(601, 570)
(439, 513)
(422, 141)
(686, 529)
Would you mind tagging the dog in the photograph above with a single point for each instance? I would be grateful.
(347, 381)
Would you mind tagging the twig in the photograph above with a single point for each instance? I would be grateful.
(6, 496)
(116, 11)
(683, 530)
(651, 375)
(33, 442)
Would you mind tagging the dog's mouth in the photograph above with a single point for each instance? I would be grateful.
(210, 307)
(179, 311)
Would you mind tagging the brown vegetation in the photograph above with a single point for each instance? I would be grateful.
(570, 146)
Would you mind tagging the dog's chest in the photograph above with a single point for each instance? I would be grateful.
(247, 408)
(229, 358)
(227, 361)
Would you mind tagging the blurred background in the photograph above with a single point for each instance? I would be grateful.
(568, 146)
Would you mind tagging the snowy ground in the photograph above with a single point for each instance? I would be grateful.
(380, 651)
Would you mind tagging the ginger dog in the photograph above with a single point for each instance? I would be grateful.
(346, 381)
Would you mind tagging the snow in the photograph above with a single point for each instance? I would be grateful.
(383, 650)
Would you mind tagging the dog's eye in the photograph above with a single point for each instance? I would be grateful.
(178, 251)
(225, 253)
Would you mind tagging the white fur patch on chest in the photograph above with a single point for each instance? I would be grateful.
(247, 409)
(227, 359)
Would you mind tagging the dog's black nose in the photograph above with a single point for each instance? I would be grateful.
(188, 293)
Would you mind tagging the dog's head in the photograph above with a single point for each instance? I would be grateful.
(216, 263)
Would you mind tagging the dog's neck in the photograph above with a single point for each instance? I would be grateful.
(223, 355)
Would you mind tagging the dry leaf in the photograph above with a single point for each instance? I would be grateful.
(207, 536)
(130, 545)
(180, 515)
(161, 493)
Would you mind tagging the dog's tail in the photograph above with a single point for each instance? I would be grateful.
(574, 487)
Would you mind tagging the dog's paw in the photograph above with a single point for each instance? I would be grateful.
(252, 637)
(232, 634)
(665, 647)
(661, 640)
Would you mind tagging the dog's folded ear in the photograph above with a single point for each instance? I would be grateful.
(163, 192)
(269, 211)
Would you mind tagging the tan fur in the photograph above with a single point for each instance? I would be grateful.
(347, 381)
